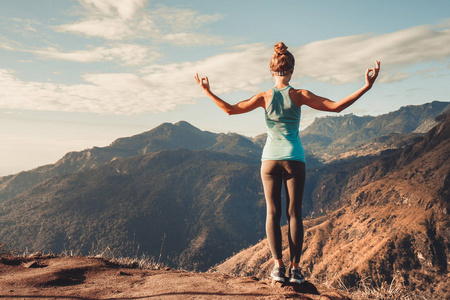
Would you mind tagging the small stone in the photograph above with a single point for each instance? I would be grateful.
(122, 273)
(31, 264)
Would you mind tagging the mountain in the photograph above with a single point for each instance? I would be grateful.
(326, 138)
(199, 185)
(164, 137)
(191, 207)
(334, 137)
(383, 222)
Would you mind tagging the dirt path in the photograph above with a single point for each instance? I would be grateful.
(91, 278)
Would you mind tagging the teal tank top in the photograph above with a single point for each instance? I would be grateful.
(283, 122)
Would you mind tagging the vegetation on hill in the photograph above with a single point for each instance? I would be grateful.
(197, 205)
(384, 223)
(164, 137)
(193, 204)
(335, 137)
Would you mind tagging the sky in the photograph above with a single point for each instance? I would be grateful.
(82, 73)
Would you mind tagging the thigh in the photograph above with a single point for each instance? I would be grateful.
(272, 179)
(294, 169)
(294, 180)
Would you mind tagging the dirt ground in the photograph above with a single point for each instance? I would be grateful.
(94, 278)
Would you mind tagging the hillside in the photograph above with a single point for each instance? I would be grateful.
(337, 137)
(198, 206)
(45, 277)
(194, 205)
(326, 138)
(390, 226)
(164, 137)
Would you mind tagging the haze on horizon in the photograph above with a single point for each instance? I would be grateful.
(78, 74)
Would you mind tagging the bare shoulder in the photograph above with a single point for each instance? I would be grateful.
(299, 96)
(300, 92)
(267, 96)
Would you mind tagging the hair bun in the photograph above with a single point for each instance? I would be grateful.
(280, 48)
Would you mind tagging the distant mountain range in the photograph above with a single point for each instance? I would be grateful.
(192, 196)
(181, 135)
(332, 138)
(194, 205)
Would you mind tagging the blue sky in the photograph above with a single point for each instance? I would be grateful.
(78, 74)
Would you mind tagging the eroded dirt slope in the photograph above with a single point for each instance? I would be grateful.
(94, 278)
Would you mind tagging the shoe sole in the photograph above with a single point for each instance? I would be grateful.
(298, 281)
(278, 279)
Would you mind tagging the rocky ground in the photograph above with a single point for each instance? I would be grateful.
(95, 278)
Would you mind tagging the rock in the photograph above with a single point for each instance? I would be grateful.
(31, 264)
(122, 273)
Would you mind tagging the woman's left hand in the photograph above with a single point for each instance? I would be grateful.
(371, 74)
(203, 82)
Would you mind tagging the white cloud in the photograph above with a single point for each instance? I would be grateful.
(344, 59)
(182, 18)
(6, 44)
(113, 28)
(24, 27)
(124, 9)
(124, 94)
(110, 29)
(130, 19)
(191, 39)
(160, 88)
(125, 54)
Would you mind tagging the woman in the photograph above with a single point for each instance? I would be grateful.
(283, 158)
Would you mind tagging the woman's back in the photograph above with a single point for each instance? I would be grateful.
(283, 121)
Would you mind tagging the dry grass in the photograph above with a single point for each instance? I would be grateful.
(366, 290)
(141, 262)
(383, 292)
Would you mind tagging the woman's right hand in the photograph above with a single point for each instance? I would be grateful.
(371, 74)
(203, 82)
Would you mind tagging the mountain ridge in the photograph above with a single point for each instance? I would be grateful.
(164, 137)
(179, 195)
(218, 193)
(391, 226)
(331, 137)
(184, 135)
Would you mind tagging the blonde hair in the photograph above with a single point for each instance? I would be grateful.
(283, 61)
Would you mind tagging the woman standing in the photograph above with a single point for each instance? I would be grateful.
(283, 158)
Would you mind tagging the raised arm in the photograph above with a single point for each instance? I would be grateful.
(239, 108)
(321, 103)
